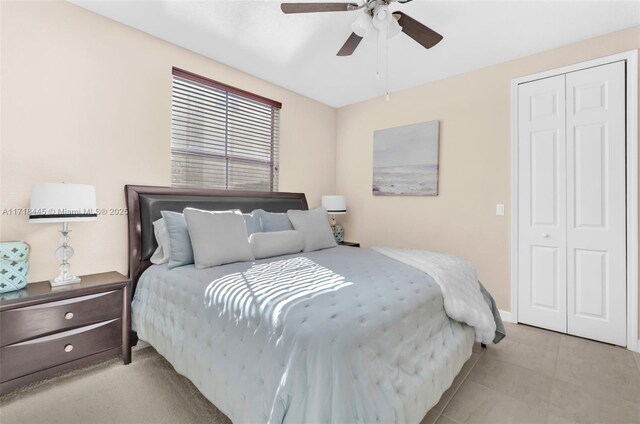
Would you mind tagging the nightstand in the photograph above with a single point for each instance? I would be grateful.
(348, 243)
(45, 331)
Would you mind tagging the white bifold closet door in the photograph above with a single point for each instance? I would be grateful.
(572, 203)
(542, 198)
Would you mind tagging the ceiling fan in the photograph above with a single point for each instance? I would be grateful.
(376, 16)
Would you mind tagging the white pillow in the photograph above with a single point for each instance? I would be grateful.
(276, 243)
(217, 238)
(314, 224)
(161, 255)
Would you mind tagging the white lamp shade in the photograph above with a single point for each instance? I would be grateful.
(335, 204)
(62, 203)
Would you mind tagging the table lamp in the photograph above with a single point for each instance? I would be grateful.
(65, 203)
(335, 205)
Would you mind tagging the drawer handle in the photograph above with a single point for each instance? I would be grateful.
(68, 348)
(68, 315)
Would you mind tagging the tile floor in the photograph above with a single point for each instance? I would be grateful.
(538, 376)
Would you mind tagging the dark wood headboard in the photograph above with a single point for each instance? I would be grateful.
(144, 204)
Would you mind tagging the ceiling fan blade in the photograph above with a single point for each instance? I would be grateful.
(419, 32)
(317, 7)
(350, 45)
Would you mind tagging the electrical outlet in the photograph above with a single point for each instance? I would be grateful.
(500, 209)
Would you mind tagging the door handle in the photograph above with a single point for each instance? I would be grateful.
(545, 235)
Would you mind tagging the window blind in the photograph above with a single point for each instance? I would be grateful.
(221, 136)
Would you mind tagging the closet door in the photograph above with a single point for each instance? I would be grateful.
(542, 204)
(596, 216)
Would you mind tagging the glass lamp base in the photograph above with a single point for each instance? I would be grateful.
(57, 282)
(64, 253)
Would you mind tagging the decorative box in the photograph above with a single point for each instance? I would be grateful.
(14, 265)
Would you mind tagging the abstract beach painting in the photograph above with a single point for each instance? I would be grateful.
(405, 160)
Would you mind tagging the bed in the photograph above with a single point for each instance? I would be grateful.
(336, 335)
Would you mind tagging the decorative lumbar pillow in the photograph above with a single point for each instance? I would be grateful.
(271, 221)
(276, 243)
(314, 224)
(161, 255)
(217, 237)
(252, 222)
(180, 251)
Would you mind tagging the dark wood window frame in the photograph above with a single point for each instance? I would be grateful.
(226, 157)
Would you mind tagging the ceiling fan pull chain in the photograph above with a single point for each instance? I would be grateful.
(386, 45)
(378, 58)
(382, 50)
(382, 65)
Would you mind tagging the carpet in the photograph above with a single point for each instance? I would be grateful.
(146, 391)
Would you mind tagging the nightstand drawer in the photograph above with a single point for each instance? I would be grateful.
(26, 323)
(34, 355)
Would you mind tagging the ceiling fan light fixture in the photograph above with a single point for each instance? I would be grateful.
(362, 25)
(376, 15)
(382, 17)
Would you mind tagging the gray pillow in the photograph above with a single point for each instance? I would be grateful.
(271, 221)
(276, 243)
(217, 237)
(252, 222)
(314, 224)
(161, 254)
(180, 251)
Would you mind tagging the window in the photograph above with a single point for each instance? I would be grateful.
(221, 136)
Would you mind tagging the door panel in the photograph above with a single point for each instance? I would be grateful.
(596, 218)
(542, 203)
(592, 284)
(544, 277)
(590, 179)
(544, 178)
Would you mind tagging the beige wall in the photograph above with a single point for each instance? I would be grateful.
(474, 111)
(88, 100)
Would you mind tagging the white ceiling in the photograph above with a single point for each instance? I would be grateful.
(299, 51)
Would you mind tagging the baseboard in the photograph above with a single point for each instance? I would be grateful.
(506, 316)
(632, 348)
